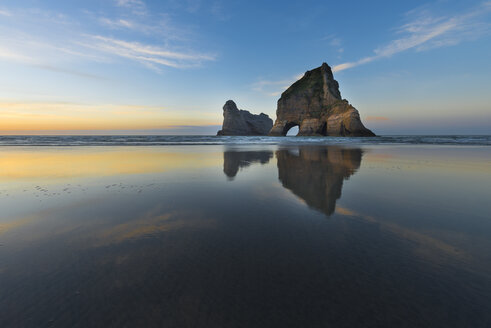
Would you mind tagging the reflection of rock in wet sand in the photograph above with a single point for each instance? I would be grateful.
(233, 160)
(316, 174)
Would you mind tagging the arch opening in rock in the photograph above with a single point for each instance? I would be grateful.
(289, 127)
(292, 130)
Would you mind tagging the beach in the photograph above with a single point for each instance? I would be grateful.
(237, 234)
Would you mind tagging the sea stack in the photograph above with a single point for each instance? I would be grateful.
(238, 122)
(314, 104)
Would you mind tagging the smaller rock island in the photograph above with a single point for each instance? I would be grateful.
(238, 122)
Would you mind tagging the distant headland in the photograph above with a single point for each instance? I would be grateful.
(313, 103)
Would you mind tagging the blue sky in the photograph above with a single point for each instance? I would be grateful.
(141, 66)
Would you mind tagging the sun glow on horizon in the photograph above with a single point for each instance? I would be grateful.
(63, 117)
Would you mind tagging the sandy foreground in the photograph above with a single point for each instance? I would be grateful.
(253, 236)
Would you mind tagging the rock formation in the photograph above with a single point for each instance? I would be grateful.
(316, 174)
(314, 104)
(237, 122)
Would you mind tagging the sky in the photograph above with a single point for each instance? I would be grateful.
(168, 66)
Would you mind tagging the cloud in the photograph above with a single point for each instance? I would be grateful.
(64, 42)
(151, 55)
(154, 25)
(271, 88)
(68, 71)
(136, 6)
(130, 3)
(425, 31)
(31, 61)
(22, 52)
(4, 12)
(334, 42)
(10, 54)
(116, 23)
(274, 88)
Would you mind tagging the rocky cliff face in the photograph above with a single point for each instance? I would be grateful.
(237, 122)
(314, 104)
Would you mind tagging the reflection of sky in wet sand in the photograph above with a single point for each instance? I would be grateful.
(254, 236)
(426, 245)
(55, 163)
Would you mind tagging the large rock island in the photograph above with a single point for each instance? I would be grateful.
(238, 122)
(314, 104)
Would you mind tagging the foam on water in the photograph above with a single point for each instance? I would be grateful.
(214, 140)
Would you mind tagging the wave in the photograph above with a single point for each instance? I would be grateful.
(481, 140)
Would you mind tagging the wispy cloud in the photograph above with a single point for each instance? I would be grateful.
(116, 23)
(4, 12)
(130, 3)
(274, 88)
(65, 41)
(425, 31)
(136, 6)
(216, 9)
(10, 54)
(148, 54)
(68, 71)
(158, 26)
(38, 53)
(334, 42)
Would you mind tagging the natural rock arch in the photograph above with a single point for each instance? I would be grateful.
(314, 103)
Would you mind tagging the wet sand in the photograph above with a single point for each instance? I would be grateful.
(245, 236)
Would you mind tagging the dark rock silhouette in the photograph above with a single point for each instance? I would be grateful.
(234, 160)
(314, 104)
(316, 174)
(238, 122)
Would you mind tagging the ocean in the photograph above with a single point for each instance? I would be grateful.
(484, 140)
